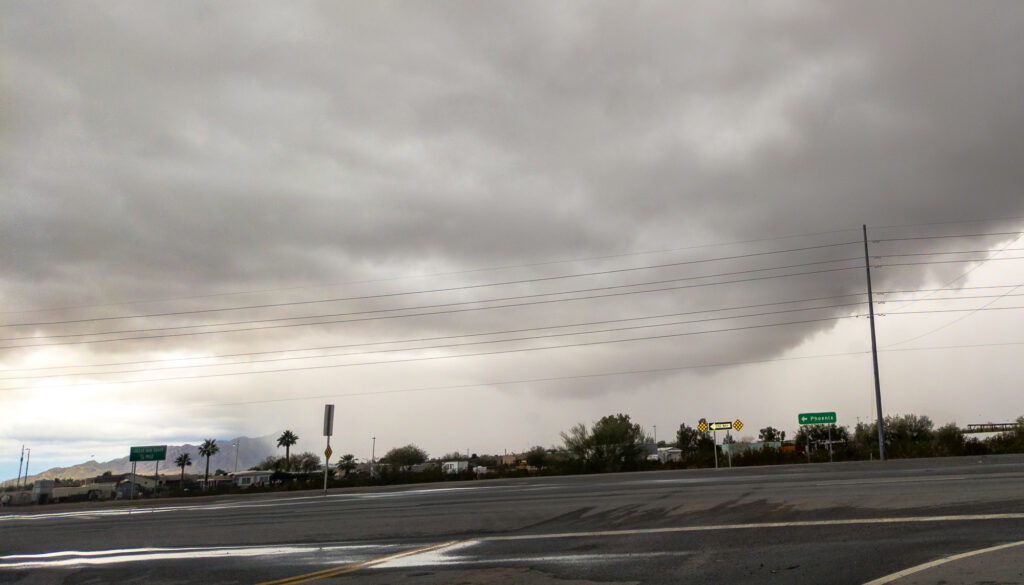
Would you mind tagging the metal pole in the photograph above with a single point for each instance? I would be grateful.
(655, 435)
(131, 486)
(727, 436)
(236, 456)
(714, 439)
(373, 456)
(156, 478)
(830, 443)
(874, 351)
(27, 459)
(17, 483)
(327, 464)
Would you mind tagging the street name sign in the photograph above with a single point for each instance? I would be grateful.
(149, 453)
(721, 426)
(817, 418)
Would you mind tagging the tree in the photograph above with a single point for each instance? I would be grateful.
(208, 449)
(949, 441)
(286, 440)
(184, 460)
(613, 443)
(271, 463)
(308, 461)
(405, 457)
(771, 435)
(537, 457)
(347, 463)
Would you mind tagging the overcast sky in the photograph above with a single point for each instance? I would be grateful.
(356, 165)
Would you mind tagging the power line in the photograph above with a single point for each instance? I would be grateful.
(590, 375)
(441, 290)
(409, 277)
(431, 358)
(378, 317)
(975, 310)
(948, 253)
(435, 338)
(929, 262)
(946, 237)
(465, 344)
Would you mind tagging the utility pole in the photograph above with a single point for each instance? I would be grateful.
(27, 459)
(874, 350)
(17, 482)
(235, 445)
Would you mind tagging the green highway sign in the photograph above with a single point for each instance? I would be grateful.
(817, 418)
(151, 453)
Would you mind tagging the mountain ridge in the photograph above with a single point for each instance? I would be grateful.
(251, 451)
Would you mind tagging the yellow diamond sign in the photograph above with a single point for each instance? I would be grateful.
(702, 427)
(738, 424)
(328, 451)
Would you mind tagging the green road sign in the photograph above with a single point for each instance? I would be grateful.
(817, 418)
(151, 453)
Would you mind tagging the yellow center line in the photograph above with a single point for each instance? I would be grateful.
(352, 567)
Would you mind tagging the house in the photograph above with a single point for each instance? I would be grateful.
(452, 467)
(245, 479)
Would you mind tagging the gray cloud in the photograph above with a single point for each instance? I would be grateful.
(187, 149)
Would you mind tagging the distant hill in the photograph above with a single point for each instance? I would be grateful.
(251, 450)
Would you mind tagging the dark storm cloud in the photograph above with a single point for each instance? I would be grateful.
(167, 150)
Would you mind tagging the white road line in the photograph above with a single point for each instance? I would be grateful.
(758, 525)
(942, 561)
(119, 556)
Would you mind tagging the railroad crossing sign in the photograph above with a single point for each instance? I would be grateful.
(721, 426)
(328, 451)
(702, 426)
(817, 418)
(737, 425)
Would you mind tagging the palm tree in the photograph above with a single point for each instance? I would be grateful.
(347, 463)
(286, 440)
(208, 449)
(182, 461)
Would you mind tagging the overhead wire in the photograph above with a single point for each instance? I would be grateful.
(447, 289)
(443, 357)
(465, 344)
(378, 317)
(449, 273)
(435, 338)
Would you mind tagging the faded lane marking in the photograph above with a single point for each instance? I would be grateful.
(352, 567)
(441, 558)
(796, 524)
(887, 480)
(67, 559)
(942, 561)
(95, 514)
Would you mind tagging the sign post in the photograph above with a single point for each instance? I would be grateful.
(328, 431)
(818, 418)
(156, 453)
(718, 426)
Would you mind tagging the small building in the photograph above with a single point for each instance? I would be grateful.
(246, 479)
(453, 467)
(669, 454)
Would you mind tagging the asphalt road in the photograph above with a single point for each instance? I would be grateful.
(815, 524)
